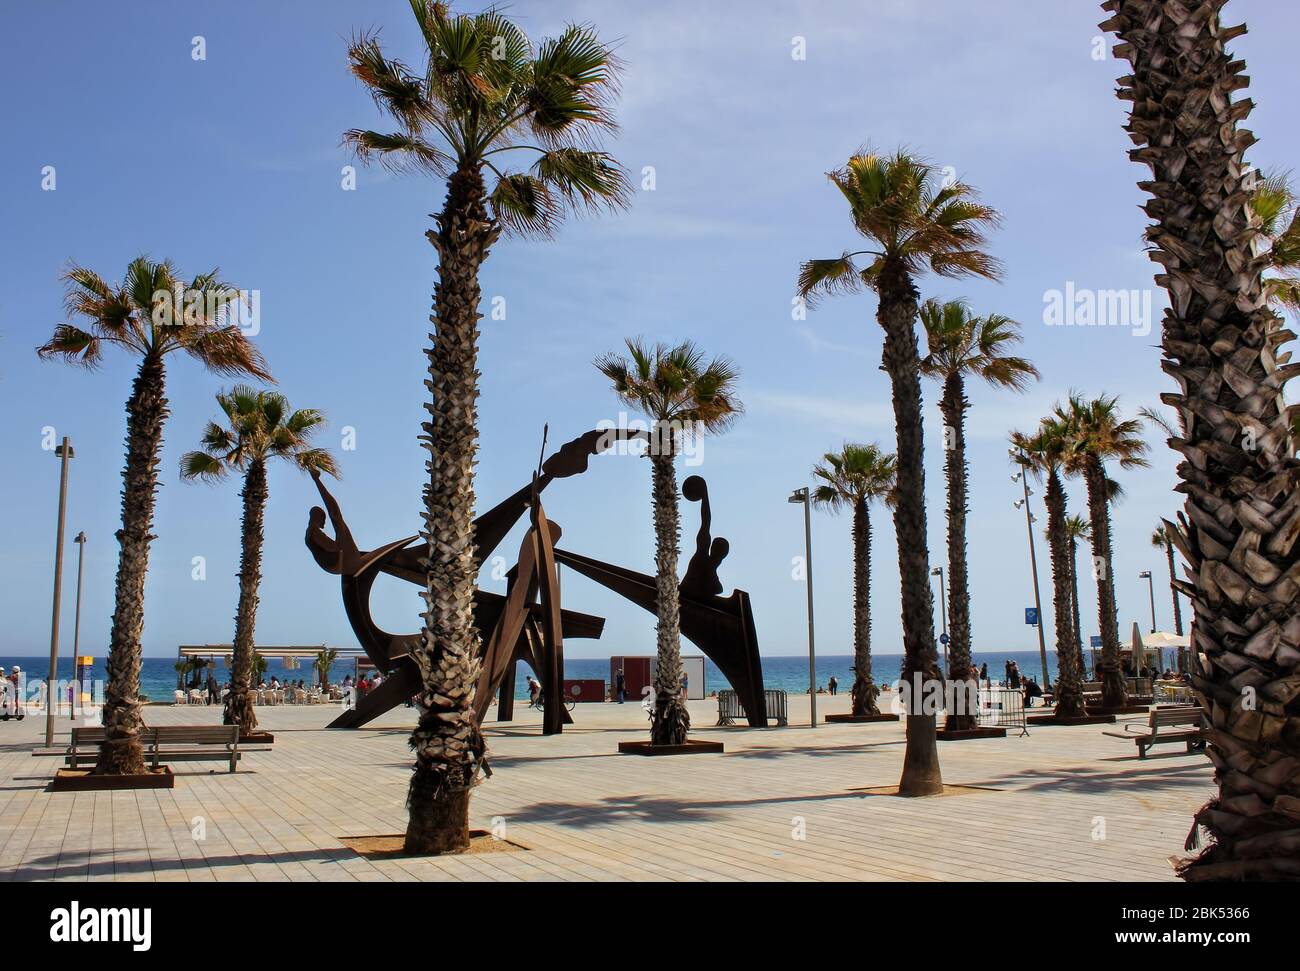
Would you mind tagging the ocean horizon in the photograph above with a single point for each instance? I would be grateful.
(780, 672)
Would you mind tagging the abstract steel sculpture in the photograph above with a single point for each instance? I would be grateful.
(528, 623)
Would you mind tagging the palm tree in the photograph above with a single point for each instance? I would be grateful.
(152, 314)
(1162, 539)
(1275, 204)
(260, 427)
(1220, 341)
(854, 477)
(1077, 528)
(484, 91)
(962, 345)
(913, 222)
(682, 394)
(1097, 435)
(325, 659)
(1044, 454)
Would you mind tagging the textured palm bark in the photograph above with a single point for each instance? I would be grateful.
(1073, 566)
(239, 703)
(670, 721)
(448, 746)
(1114, 690)
(864, 692)
(1173, 588)
(953, 406)
(1239, 473)
(1069, 687)
(897, 314)
(146, 409)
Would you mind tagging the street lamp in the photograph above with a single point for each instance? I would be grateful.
(1023, 479)
(80, 540)
(943, 616)
(1151, 590)
(802, 497)
(64, 452)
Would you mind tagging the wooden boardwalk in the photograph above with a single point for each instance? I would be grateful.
(780, 804)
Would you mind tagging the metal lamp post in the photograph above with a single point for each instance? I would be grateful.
(1151, 589)
(943, 617)
(803, 497)
(1023, 479)
(80, 540)
(64, 452)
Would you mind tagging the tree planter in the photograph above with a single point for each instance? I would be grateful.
(859, 719)
(1121, 710)
(83, 780)
(1093, 719)
(258, 737)
(690, 747)
(944, 735)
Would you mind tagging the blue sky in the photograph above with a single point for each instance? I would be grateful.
(234, 161)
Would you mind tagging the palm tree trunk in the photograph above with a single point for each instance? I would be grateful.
(865, 692)
(1173, 588)
(897, 313)
(239, 705)
(953, 406)
(1221, 344)
(448, 746)
(146, 410)
(1069, 689)
(1114, 691)
(1084, 671)
(670, 720)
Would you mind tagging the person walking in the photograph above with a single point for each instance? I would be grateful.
(833, 684)
(620, 686)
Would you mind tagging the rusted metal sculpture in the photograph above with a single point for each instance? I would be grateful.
(721, 627)
(528, 623)
(390, 652)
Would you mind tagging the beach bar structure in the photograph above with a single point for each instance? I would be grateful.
(639, 674)
(296, 657)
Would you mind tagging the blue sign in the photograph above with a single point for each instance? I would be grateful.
(943, 639)
(1096, 640)
(1031, 616)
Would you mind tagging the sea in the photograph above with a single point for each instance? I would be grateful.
(790, 674)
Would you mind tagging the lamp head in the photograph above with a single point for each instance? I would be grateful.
(799, 496)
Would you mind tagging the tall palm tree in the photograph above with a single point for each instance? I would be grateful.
(483, 91)
(1275, 203)
(683, 394)
(143, 316)
(854, 477)
(1162, 539)
(260, 428)
(1044, 454)
(1098, 434)
(913, 221)
(1077, 528)
(963, 345)
(1239, 470)
(324, 662)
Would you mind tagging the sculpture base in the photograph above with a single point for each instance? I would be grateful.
(946, 736)
(258, 737)
(82, 780)
(859, 719)
(690, 747)
(1120, 710)
(1076, 720)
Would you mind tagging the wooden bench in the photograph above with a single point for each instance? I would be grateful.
(1179, 724)
(166, 743)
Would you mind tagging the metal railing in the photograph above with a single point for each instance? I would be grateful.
(730, 710)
